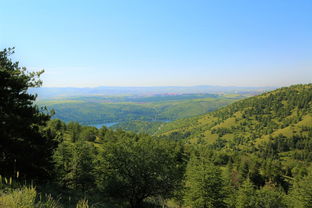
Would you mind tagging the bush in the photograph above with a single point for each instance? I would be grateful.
(19, 198)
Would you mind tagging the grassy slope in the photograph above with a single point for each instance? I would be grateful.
(283, 111)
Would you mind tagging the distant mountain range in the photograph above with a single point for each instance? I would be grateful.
(60, 92)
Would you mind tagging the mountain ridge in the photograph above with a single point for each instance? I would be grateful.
(282, 111)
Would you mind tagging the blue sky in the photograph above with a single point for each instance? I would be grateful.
(161, 43)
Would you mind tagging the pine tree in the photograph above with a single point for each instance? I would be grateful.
(25, 146)
(204, 184)
(301, 192)
(246, 196)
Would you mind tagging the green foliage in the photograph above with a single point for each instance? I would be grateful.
(135, 168)
(266, 197)
(254, 153)
(83, 166)
(269, 197)
(285, 111)
(75, 130)
(88, 133)
(28, 197)
(19, 198)
(204, 184)
(148, 127)
(118, 164)
(301, 192)
(246, 196)
(22, 123)
(74, 164)
(63, 163)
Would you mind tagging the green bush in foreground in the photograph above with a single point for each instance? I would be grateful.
(27, 197)
(19, 198)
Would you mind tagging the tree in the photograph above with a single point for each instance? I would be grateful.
(246, 196)
(24, 144)
(83, 166)
(301, 192)
(136, 167)
(74, 163)
(270, 197)
(88, 133)
(74, 129)
(266, 197)
(204, 186)
(63, 163)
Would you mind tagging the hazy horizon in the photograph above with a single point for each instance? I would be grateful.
(277, 85)
(161, 86)
(61, 92)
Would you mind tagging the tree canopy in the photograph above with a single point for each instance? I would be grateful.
(25, 146)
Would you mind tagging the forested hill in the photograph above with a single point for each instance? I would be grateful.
(253, 153)
(283, 112)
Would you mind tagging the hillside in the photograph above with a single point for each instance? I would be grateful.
(100, 109)
(286, 111)
(255, 152)
(148, 127)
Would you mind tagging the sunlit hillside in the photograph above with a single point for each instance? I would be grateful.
(286, 111)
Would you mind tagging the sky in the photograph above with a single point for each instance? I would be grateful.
(161, 43)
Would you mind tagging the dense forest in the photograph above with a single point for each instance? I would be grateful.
(254, 153)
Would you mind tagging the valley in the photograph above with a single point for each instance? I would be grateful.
(187, 150)
(156, 104)
(97, 110)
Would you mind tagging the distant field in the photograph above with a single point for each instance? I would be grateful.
(100, 109)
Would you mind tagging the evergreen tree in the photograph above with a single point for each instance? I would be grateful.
(301, 192)
(75, 164)
(83, 166)
(246, 196)
(63, 163)
(25, 146)
(270, 197)
(204, 186)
